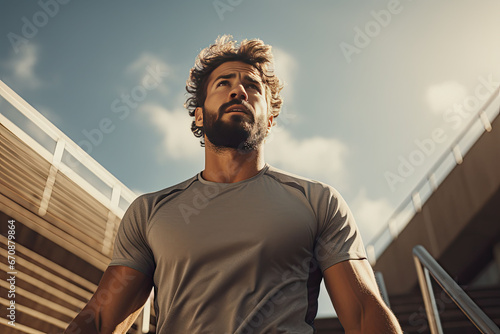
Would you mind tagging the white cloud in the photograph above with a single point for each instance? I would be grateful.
(144, 60)
(174, 126)
(285, 67)
(22, 67)
(144, 64)
(370, 214)
(315, 157)
(443, 95)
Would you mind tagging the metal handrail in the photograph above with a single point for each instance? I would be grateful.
(392, 225)
(453, 290)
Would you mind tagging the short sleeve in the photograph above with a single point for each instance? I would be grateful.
(338, 237)
(131, 248)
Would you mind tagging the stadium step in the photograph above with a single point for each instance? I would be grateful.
(410, 311)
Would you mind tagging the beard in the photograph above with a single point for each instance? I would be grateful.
(236, 131)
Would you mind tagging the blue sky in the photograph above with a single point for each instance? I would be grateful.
(366, 83)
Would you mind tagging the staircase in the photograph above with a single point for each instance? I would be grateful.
(66, 209)
(410, 311)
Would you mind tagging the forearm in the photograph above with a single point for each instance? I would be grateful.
(378, 318)
(84, 322)
(81, 326)
(115, 305)
(87, 322)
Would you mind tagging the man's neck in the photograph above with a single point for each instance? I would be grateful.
(230, 165)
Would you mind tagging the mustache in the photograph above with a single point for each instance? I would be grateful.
(249, 109)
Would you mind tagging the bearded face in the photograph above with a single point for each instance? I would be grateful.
(234, 126)
(235, 111)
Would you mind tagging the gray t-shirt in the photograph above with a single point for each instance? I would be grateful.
(243, 257)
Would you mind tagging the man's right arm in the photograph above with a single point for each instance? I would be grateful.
(122, 291)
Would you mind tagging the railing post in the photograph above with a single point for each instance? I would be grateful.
(423, 259)
(485, 120)
(429, 300)
(432, 181)
(112, 219)
(457, 154)
(51, 177)
(393, 228)
(417, 202)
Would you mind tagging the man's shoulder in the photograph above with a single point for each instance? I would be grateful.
(154, 197)
(322, 197)
(306, 185)
(284, 176)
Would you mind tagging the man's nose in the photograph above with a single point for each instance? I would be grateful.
(239, 92)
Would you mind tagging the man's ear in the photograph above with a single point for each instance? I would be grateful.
(270, 123)
(198, 116)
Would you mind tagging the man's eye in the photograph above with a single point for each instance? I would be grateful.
(254, 87)
(222, 83)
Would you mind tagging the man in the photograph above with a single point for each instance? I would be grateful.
(241, 247)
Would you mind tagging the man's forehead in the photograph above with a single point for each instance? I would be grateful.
(235, 67)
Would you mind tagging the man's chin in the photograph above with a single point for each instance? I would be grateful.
(231, 145)
(242, 146)
(234, 132)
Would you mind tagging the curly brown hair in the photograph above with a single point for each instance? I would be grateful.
(253, 52)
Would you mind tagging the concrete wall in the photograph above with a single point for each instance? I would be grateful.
(458, 224)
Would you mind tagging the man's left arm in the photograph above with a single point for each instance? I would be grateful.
(355, 296)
